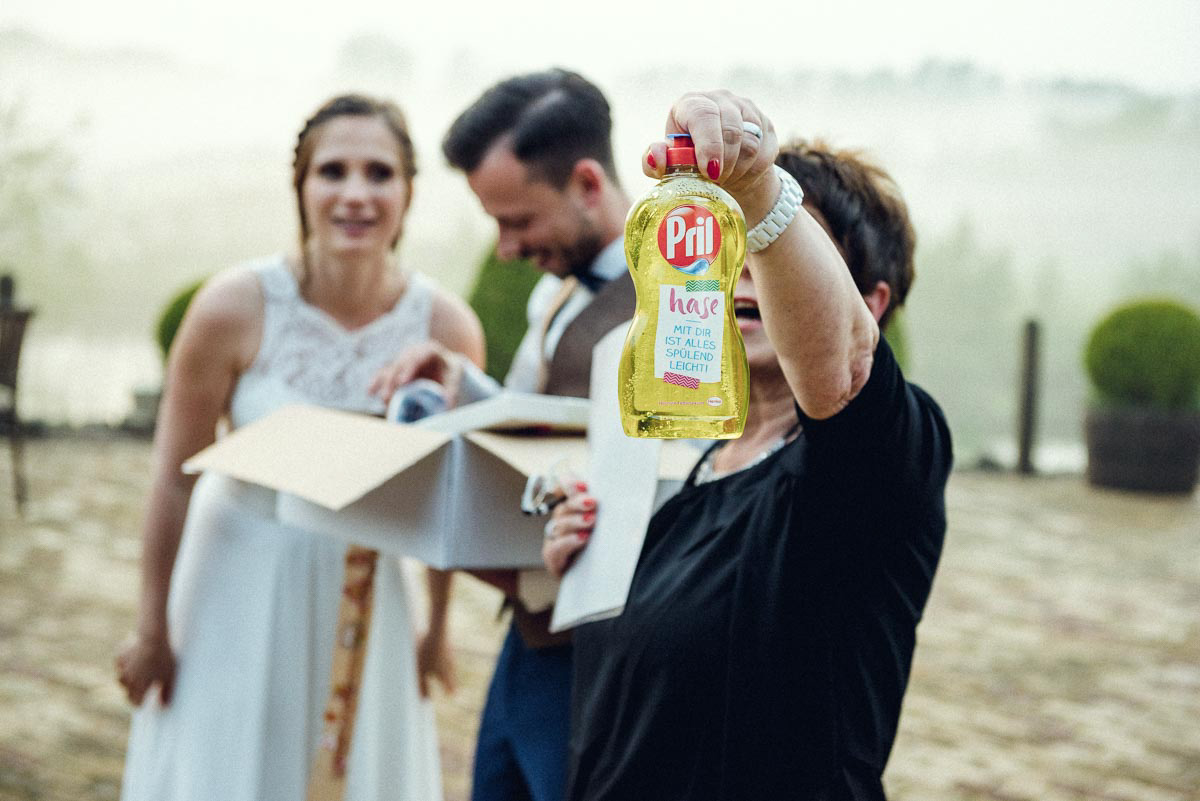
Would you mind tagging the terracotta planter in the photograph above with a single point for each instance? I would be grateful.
(1147, 450)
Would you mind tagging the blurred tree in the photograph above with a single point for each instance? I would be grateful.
(38, 236)
(955, 77)
(1109, 115)
(965, 316)
(31, 175)
(499, 296)
(1064, 323)
(35, 178)
(1168, 273)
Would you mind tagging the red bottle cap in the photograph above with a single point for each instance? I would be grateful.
(680, 150)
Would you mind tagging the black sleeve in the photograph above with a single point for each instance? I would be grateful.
(891, 424)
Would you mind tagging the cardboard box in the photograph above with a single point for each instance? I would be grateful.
(445, 491)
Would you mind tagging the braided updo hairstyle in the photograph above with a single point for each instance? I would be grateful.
(865, 211)
(349, 105)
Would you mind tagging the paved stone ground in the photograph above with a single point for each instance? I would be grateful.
(1059, 661)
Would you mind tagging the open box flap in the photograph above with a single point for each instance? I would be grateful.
(514, 410)
(329, 457)
(537, 454)
(533, 454)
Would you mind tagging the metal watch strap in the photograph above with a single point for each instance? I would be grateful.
(780, 215)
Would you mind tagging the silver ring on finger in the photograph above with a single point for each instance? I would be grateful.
(752, 129)
(548, 530)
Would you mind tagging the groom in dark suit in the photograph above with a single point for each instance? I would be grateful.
(537, 152)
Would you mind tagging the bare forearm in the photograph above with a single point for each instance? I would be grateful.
(439, 582)
(218, 336)
(160, 545)
(820, 326)
(816, 318)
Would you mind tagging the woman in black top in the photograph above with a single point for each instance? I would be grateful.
(766, 641)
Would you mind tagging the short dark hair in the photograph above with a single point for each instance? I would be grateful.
(555, 118)
(866, 214)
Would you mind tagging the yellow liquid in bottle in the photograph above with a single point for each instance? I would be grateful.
(683, 372)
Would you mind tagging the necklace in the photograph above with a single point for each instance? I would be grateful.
(705, 472)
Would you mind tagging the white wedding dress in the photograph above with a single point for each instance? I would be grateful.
(253, 603)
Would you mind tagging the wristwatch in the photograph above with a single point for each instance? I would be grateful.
(780, 215)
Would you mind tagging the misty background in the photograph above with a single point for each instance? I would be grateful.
(130, 170)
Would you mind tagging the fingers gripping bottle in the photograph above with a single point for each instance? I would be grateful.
(683, 372)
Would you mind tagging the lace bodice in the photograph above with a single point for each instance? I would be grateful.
(306, 356)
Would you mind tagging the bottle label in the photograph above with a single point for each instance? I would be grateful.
(687, 347)
(689, 238)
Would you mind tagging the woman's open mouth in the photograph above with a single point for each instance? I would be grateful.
(354, 227)
(746, 310)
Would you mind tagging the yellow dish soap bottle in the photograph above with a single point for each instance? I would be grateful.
(683, 372)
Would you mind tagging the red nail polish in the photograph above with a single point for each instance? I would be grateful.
(589, 517)
(650, 160)
(587, 503)
(583, 535)
(714, 169)
(580, 487)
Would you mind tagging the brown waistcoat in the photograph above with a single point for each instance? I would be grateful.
(569, 373)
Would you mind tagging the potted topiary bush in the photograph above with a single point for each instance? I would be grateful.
(172, 315)
(146, 399)
(1143, 427)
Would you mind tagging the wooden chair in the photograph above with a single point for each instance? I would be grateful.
(13, 321)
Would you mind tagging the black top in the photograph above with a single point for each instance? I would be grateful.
(766, 642)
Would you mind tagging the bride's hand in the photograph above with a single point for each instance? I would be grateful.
(143, 662)
(435, 660)
(430, 360)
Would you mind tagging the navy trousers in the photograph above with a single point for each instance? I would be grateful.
(521, 753)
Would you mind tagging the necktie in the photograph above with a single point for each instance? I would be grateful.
(590, 280)
(552, 310)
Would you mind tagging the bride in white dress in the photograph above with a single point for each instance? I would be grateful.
(230, 665)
